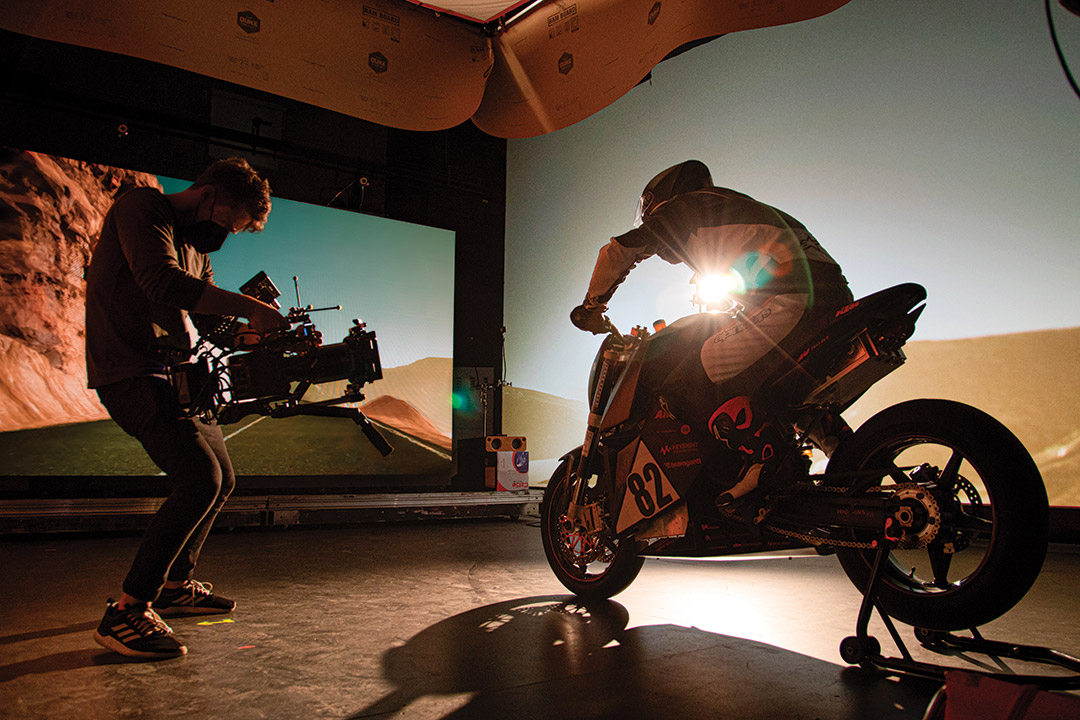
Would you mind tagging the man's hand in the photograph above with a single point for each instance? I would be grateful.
(246, 337)
(264, 318)
(589, 320)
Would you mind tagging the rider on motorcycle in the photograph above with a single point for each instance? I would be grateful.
(788, 286)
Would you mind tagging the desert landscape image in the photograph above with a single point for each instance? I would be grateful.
(51, 210)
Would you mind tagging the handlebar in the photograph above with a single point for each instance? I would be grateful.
(602, 325)
(612, 331)
(615, 339)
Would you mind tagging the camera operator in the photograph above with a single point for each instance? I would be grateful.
(150, 268)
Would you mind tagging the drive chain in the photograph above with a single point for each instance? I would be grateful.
(816, 540)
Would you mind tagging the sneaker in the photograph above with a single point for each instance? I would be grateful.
(192, 598)
(137, 631)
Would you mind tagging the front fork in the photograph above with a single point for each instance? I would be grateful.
(588, 517)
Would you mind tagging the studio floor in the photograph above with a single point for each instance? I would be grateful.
(463, 619)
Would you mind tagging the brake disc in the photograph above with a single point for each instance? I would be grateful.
(960, 539)
(579, 547)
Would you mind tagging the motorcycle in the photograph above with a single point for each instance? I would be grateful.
(934, 503)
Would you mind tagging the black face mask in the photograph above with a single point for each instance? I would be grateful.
(206, 236)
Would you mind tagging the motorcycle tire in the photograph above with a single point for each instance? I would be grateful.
(593, 568)
(993, 519)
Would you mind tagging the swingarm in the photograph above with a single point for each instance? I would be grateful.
(905, 514)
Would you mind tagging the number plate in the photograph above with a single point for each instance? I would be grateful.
(648, 491)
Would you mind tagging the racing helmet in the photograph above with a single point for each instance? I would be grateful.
(682, 178)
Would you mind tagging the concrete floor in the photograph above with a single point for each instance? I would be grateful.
(464, 619)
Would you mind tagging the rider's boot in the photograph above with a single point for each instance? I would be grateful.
(742, 426)
(747, 482)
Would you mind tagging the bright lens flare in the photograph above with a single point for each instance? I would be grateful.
(715, 291)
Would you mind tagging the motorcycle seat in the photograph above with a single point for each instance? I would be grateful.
(882, 305)
(834, 342)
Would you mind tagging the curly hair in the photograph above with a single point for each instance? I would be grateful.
(237, 183)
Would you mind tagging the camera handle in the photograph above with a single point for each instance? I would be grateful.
(370, 431)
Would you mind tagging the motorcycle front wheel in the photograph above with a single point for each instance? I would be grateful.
(976, 484)
(592, 566)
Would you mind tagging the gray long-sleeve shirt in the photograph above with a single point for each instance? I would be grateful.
(141, 282)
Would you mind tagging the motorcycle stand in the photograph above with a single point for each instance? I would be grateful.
(865, 650)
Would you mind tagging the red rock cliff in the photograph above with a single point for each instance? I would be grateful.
(51, 210)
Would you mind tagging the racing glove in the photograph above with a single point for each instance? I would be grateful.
(589, 320)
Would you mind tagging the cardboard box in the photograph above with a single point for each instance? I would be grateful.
(508, 471)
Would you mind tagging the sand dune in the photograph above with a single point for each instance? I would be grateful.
(425, 385)
(402, 416)
(552, 425)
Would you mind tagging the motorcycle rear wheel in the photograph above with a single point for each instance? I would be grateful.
(992, 531)
(594, 568)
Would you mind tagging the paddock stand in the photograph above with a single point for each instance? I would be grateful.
(865, 650)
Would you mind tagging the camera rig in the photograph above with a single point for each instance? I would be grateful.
(226, 380)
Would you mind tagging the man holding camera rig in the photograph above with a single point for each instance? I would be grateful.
(149, 269)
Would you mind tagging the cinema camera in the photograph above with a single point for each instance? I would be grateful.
(227, 380)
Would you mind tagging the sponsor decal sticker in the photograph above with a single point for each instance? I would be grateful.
(679, 448)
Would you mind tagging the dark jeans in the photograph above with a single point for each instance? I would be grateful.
(193, 455)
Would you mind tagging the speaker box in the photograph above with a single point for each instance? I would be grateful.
(504, 443)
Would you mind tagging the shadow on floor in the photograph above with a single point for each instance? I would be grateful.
(554, 656)
(48, 633)
(61, 661)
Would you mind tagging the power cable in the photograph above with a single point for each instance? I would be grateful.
(1072, 7)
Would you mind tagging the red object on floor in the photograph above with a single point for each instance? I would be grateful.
(971, 696)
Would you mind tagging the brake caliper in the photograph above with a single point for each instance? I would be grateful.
(585, 518)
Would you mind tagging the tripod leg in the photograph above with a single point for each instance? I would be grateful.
(372, 434)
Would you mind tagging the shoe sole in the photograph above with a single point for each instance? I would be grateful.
(110, 643)
(187, 610)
